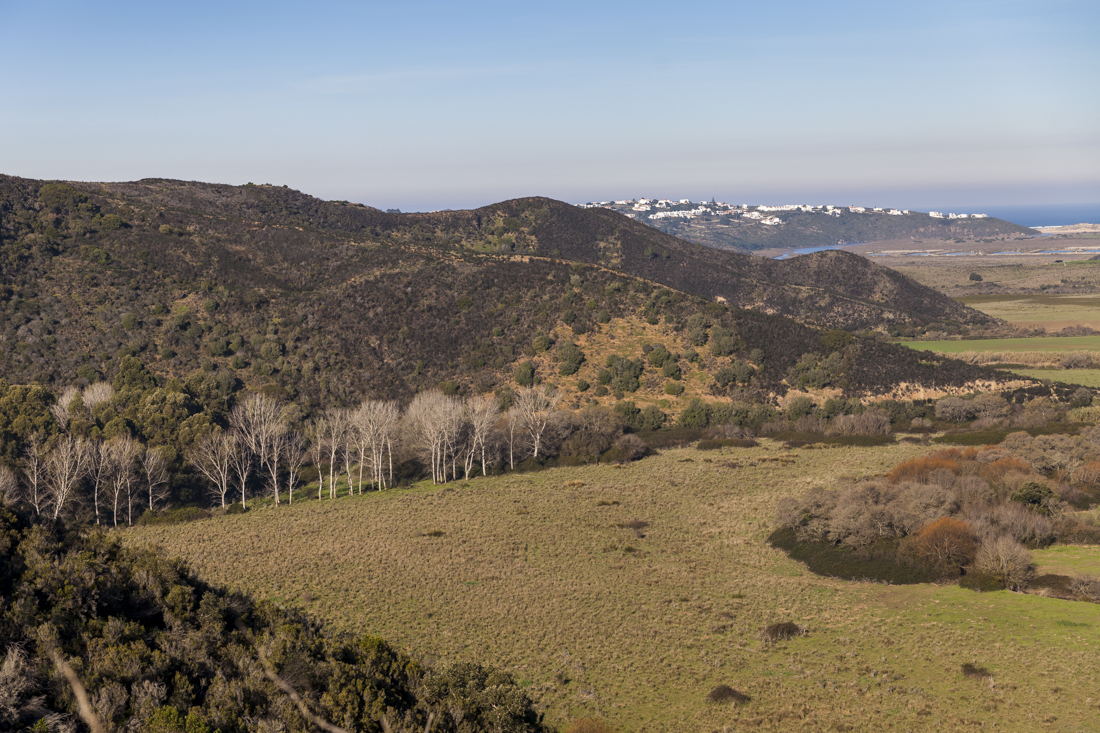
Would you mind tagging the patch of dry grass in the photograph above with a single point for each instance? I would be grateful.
(626, 594)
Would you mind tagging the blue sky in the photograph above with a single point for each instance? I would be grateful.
(424, 105)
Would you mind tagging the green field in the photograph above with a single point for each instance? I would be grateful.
(629, 593)
(1063, 560)
(1052, 312)
(1038, 343)
(1083, 377)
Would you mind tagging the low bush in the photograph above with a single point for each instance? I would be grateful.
(627, 448)
(726, 694)
(714, 444)
(977, 437)
(946, 544)
(1006, 559)
(781, 631)
(1074, 531)
(981, 582)
(670, 438)
(825, 558)
(796, 439)
(1058, 586)
(1085, 587)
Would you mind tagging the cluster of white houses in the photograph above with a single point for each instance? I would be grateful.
(687, 209)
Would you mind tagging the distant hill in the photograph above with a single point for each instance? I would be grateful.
(833, 289)
(754, 228)
(330, 301)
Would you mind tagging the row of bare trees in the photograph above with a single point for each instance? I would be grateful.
(118, 477)
(122, 476)
(450, 435)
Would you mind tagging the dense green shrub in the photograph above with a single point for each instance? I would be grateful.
(571, 358)
(525, 374)
(976, 437)
(1059, 586)
(153, 641)
(782, 631)
(982, 582)
(716, 443)
(800, 406)
(825, 558)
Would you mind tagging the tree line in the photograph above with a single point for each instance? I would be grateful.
(265, 447)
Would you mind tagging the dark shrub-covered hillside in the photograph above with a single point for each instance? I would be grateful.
(330, 303)
(158, 650)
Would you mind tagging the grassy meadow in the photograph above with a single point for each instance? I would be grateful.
(1083, 377)
(629, 593)
(1051, 312)
(1035, 343)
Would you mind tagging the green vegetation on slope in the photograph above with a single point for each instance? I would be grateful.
(159, 650)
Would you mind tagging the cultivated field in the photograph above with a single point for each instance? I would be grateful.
(1038, 343)
(1049, 312)
(630, 593)
(1083, 377)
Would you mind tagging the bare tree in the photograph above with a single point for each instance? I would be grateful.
(99, 470)
(66, 465)
(98, 393)
(154, 467)
(9, 485)
(260, 420)
(294, 453)
(61, 410)
(481, 413)
(454, 434)
(349, 451)
(34, 471)
(213, 456)
(375, 423)
(536, 406)
(318, 434)
(122, 453)
(427, 424)
(241, 464)
(512, 426)
(336, 424)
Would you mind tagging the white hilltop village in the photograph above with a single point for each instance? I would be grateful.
(649, 209)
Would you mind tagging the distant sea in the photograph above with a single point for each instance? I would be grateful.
(1038, 215)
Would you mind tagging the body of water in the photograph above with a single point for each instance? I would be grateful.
(1038, 215)
(809, 250)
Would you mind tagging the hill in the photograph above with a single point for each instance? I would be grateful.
(159, 650)
(859, 294)
(749, 228)
(329, 302)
